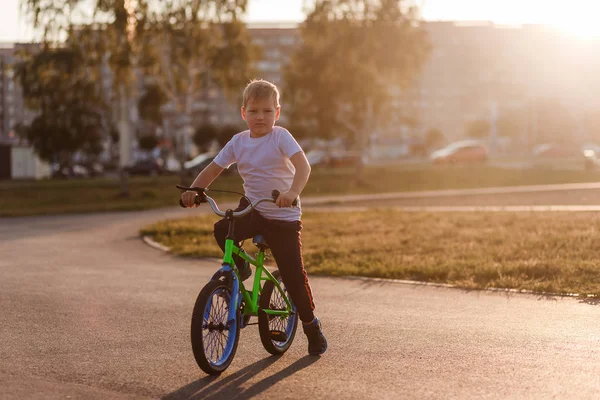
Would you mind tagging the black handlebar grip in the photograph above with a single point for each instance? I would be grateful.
(197, 200)
(275, 194)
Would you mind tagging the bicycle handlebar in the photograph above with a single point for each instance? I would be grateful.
(204, 198)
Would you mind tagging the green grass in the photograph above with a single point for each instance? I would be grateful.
(543, 252)
(94, 195)
(58, 197)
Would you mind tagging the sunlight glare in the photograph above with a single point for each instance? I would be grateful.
(582, 23)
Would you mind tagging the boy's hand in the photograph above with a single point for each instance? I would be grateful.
(188, 198)
(286, 199)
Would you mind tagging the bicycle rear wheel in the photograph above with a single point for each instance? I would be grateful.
(214, 342)
(276, 333)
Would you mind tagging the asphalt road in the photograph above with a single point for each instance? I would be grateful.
(89, 311)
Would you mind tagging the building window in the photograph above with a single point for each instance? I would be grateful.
(287, 40)
(268, 65)
(273, 53)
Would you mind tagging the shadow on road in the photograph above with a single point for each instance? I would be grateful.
(593, 301)
(230, 387)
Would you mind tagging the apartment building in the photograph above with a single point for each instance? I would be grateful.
(480, 70)
(12, 108)
(10, 100)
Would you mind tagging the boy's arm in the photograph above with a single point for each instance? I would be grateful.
(208, 175)
(300, 179)
(203, 180)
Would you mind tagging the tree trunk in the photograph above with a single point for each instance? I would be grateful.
(361, 141)
(124, 141)
(186, 135)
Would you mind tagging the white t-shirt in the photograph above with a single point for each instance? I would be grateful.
(264, 164)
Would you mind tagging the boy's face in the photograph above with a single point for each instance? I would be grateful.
(260, 115)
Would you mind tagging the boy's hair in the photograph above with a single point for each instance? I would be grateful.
(261, 89)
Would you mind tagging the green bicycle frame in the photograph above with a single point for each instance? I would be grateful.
(262, 274)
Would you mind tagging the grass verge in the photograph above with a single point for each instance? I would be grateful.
(59, 197)
(543, 252)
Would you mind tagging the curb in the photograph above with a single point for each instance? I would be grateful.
(146, 239)
(154, 244)
(166, 249)
(449, 286)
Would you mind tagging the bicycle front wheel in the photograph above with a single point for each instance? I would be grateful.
(276, 332)
(214, 341)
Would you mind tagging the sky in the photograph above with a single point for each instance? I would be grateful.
(577, 17)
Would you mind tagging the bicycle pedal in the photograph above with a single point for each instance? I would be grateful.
(278, 336)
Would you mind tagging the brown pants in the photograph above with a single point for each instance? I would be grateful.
(286, 246)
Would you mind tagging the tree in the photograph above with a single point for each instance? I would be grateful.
(119, 34)
(226, 132)
(512, 123)
(591, 122)
(197, 46)
(70, 108)
(107, 37)
(352, 52)
(150, 102)
(149, 109)
(552, 122)
(479, 129)
(433, 138)
(147, 141)
(204, 135)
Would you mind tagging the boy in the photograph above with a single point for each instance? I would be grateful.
(268, 158)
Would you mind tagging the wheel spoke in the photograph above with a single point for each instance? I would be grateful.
(277, 302)
(216, 335)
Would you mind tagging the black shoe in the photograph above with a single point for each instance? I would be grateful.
(317, 344)
(245, 272)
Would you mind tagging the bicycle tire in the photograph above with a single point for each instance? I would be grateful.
(271, 299)
(209, 322)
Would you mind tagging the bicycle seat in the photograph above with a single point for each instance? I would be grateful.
(260, 242)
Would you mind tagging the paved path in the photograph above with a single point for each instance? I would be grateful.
(91, 312)
(543, 197)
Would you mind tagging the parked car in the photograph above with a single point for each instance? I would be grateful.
(591, 159)
(343, 158)
(462, 152)
(150, 167)
(69, 171)
(332, 158)
(95, 169)
(198, 163)
(172, 165)
(553, 150)
(316, 157)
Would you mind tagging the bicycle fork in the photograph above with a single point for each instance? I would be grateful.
(235, 293)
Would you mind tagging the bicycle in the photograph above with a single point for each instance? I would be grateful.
(224, 305)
